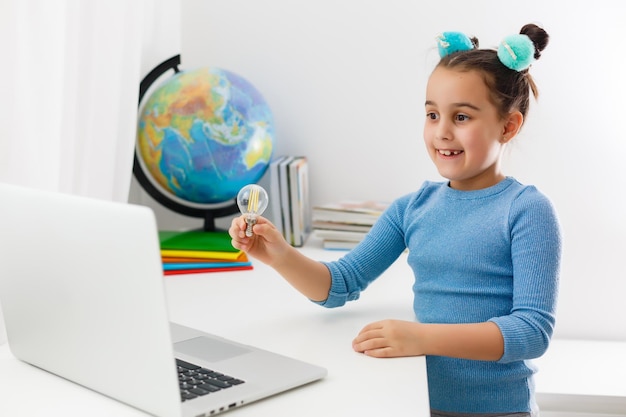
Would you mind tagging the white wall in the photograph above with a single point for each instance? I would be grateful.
(346, 80)
(162, 40)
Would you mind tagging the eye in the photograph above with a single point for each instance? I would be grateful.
(462, 117)
(431, 115)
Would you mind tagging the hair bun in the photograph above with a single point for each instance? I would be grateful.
(538, 36)
(516, 52)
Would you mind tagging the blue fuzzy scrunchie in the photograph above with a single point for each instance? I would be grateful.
(516, 52)
(451, 42)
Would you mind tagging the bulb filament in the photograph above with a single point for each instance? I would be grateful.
(253, 200)
(253, 208)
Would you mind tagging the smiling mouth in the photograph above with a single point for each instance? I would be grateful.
(448, 152)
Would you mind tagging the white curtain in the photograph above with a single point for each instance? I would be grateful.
(73, 76)
(69, 81)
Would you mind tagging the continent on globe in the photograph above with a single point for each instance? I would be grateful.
(204, 134)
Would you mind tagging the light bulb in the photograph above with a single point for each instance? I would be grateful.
(252, 201)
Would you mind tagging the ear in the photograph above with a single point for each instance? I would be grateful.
(512, 126)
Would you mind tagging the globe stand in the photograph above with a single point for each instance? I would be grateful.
(209, 214)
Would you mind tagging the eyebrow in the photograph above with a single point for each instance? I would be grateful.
(461, 104)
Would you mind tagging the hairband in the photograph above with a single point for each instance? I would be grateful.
(516, 52)
(451, 42)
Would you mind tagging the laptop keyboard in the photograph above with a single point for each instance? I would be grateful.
(195, 381)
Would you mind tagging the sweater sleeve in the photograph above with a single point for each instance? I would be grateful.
(367, 261)
(536, 254)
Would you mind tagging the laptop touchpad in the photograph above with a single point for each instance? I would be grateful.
(208, 349)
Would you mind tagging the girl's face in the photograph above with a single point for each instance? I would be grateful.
(463, 132)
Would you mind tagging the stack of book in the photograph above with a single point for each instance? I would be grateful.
(341, 226)
(289, 198)
(197, 251)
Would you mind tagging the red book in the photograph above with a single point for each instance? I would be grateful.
(202, 271)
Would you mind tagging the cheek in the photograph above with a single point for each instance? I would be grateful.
(479, 141)
(429, 145)
(486, 151)
(428, 134)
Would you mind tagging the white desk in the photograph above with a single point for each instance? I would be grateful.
(257, 307)
(583, 376)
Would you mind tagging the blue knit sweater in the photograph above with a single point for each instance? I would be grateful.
(485, 255)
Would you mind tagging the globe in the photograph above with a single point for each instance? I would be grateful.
(203, 134)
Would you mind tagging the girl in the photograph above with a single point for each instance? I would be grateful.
(485, 249)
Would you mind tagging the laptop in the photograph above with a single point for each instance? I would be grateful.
(82, 292)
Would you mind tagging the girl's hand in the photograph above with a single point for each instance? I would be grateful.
(267, 244)
(389, 338)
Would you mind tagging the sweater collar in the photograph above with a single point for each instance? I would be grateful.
(477, 194)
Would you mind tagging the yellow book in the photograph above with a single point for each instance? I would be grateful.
(197, 254)
(165, 259)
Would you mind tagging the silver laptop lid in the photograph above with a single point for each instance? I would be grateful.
(62, 254)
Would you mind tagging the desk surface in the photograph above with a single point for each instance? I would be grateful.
(579, 376)
(257, 307)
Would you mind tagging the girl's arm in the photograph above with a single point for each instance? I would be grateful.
(536, 251)
(390, 338)
(268, 245)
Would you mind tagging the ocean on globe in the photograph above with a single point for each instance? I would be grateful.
(203, 134)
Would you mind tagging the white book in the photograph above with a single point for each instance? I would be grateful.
(285, 199)
(339, 244)
(322, 225)
(350, 212)
(306, 201)
(344, 235)
(298, 183)
(274, 193)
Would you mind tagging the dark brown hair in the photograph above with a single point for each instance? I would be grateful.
(510, 89)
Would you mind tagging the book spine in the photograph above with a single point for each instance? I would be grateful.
(306, 207)
(284, 198)
(274, 194)
(289, 195)
(298, 181)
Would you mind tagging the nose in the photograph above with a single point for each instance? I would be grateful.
(443, 130)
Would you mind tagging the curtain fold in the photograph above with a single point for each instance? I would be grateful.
(69, 78)
(73, 91)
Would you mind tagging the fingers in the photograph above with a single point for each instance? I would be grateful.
(389, 338)
(237, 232)
(237, 226)
(371, 341)
(376, 347)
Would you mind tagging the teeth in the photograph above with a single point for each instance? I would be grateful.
(448, 152)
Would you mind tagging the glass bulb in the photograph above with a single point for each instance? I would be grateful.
(252, 201)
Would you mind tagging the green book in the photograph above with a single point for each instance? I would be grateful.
(196, 240)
